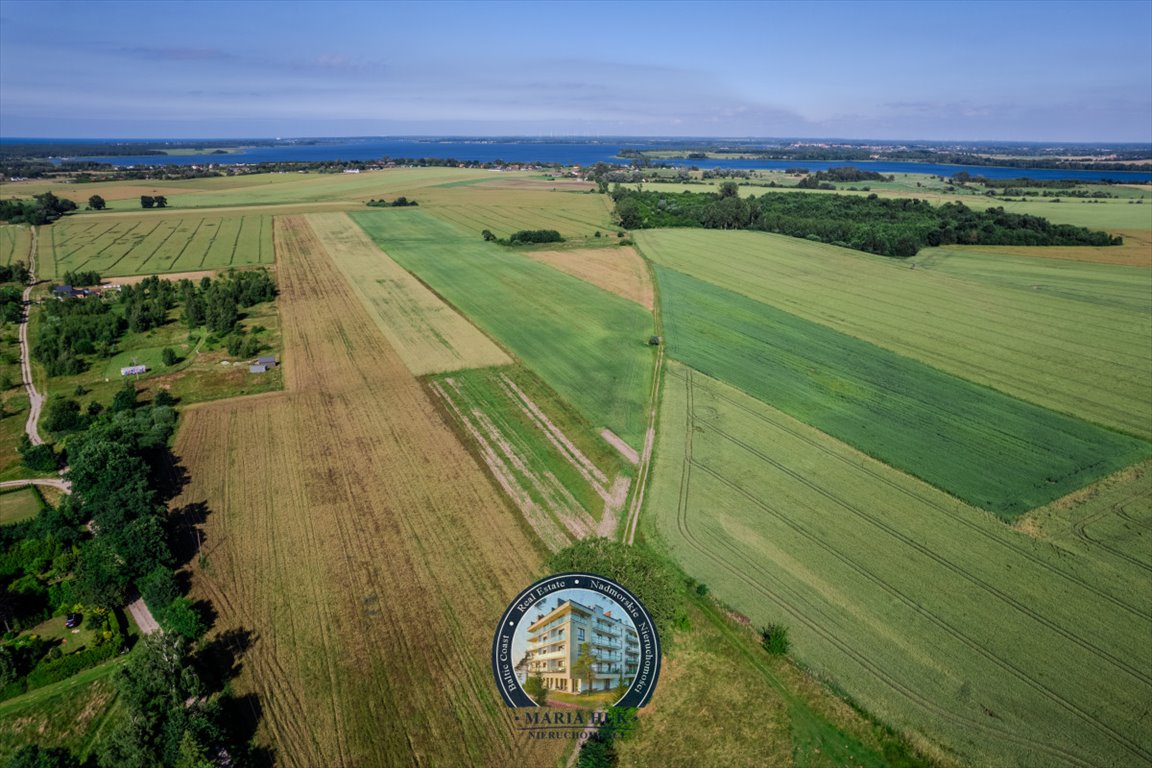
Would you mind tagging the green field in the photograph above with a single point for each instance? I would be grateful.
(587, 344)
(156, 245)
(15, 243)
(991, 450)
(19, 505)
(1086, 359)
(941, 620)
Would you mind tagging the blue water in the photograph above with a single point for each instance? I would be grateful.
(576, 153)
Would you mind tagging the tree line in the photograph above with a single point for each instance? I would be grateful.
(898, 228)
(41, 209)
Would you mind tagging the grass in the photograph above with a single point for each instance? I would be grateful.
(75, 713)
(352, 533)
(1086, 359)
(996, 647)
(991, 450)
(504, 210)
(15, 243)
(154, 245)
(586, 344)
(430, 336)
(567, 482)
(19, 504)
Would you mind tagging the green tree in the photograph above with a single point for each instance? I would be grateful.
(774, 638)
(169, 357)
(62, 415)
(160, 201)
(147, 201)
(35, 756)
(125, 397)
(729, 189)
(585, 666)
(535, 688)
(96, 203)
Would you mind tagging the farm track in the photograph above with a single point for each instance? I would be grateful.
(1080, 530)
(359, 541)
(804, 611)
(880, 479)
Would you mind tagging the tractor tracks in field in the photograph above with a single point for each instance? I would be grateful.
(802, 609)
(725, 562)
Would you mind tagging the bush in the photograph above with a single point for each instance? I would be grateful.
(774, 639)
(535, 236)
(534, 687)
(169, 356)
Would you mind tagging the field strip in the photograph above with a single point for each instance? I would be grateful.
(430, 335)
(627, 451)
(618, 270)
(342, 538)
(875, 476)
(805, 612)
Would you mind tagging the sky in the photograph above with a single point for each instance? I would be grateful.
(933, 70)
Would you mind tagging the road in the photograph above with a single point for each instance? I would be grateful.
(54, 482)
(35, 399)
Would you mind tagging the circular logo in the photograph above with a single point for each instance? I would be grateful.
(576, 639)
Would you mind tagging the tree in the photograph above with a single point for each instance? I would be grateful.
(125, 397)
(35, 756)
(535, 688)
(160, 201)
(96, 203)
(585, 666)
(63, 415)
(169, 357)
(774, 638)
(488, 236)
(147, 201)
(729, 189)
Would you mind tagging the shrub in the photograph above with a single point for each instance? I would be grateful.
(534, 687)
(535, 236)
(774, 638)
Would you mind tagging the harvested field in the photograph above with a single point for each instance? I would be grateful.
(1136, 251)
(617, 270)
(1000, 648)
(1087, 359)
(504, 210)
(429, 335)
(156, 245)
(173, 276)
(359, 543)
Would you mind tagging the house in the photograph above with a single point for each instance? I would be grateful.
(68, 292)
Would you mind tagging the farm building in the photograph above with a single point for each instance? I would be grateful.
(269, 362)
(133, 369)
(258, 368)
(68, 292)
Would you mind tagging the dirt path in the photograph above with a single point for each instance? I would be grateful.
(53, 482)
(35, 399)
(142, 616)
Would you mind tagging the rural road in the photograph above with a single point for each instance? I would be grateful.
(53, 482)
(137, 608)
(35, 399)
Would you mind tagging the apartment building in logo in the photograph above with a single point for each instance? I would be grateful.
(557, 638)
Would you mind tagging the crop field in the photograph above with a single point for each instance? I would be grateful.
(1124, 287)
(1089, 360)
(588, 345)
(567, 482)
(992, 450)
(503, 209)
(146, 245)
(617, 270)
(428, 334)
(933, 614)
(348, 530)
(15, 244)
(254, 189)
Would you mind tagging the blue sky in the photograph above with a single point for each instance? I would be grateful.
(1041, 71)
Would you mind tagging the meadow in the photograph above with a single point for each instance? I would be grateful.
(17, 505)
(974, 638)
(147, 245)
(1088, 359)
(357, 541)
(588, 345)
